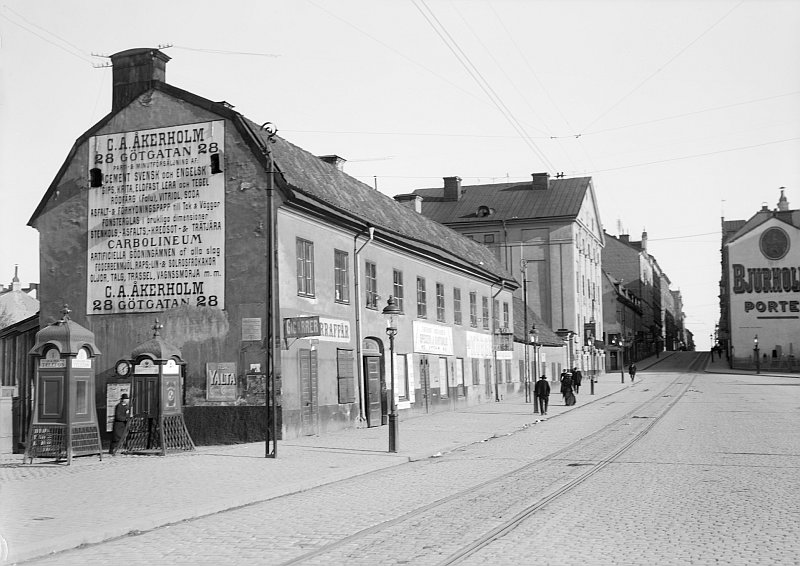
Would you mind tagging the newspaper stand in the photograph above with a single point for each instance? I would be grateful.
(64, 422)
(156, 424)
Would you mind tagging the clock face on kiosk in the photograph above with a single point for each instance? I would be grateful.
(123, 368)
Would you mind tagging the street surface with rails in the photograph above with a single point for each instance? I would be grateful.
(681, 467)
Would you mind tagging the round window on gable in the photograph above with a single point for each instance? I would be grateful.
(484, 211)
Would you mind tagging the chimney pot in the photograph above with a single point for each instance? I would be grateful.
(133, 72)
(452, 188)
(412, 201)
(540, 181)
(334, 160)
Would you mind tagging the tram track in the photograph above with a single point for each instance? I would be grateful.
(485, 512)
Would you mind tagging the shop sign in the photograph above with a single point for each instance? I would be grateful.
(479, 345)
(432, 338)
(301, 327)
(221, 381)
(334, 330)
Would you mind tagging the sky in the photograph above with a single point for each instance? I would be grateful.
(682, 112)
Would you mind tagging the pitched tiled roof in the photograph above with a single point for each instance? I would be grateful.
(546, 335)
(313, 177)
(563, 198)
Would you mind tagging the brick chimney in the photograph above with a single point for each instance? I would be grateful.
(134, 72)
(540, 181)
(644, 240)
(412, 201)
(625, 238)
(334, 160)
(783, 203)
(452, 188)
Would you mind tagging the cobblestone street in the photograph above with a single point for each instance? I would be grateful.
(679, 468)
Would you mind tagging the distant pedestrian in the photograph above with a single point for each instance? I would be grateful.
(566, 390)
(541, 392)
(577, 377)
(632, 371)
(121, 414)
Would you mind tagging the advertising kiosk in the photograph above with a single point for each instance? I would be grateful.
(156, 424)
(64, 422)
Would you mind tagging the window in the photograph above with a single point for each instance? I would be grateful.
(457, 306)
(476, 371)
(371, 277)
(460, 384)
(496, 314)
(444, 377)
(422, 302)
(506, 319)
(440, 302)
(507, 364)
(341, 276)
(473, 309)
(488, 238)
(345, 375)
(499, 371)
(305, 268)
(485, 301)
(401, 377)
(397, 289)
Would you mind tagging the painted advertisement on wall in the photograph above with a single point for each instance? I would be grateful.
(156, 226)
(764, 275)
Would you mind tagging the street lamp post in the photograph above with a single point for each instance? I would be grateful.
(755, 350)
(619, 346)
(534, 335)
(391, 312)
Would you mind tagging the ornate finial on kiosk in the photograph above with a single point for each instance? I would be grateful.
(65, 313)
(156, 327)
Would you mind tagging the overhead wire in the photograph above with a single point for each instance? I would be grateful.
(662, 67)
(473, 71)
(75, 51)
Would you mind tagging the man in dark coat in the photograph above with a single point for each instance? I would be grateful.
(541, 392)
(632, 371)
(121, 413)
(576, 379)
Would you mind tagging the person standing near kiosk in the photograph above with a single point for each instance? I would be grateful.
(121, 414)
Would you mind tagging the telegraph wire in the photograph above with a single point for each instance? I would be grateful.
(473, 71)
(79, 53)
(223, 52)
(662, 67)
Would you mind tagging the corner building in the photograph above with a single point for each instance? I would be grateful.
(175, 208)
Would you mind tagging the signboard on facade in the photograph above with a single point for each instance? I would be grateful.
(432, 338)
(221, 381)
(251, 330)
(156, 225)
(334, 330)
(479, 345)
(300, 327)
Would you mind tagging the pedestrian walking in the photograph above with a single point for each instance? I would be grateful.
(566, 390)
(121, 414)
(577, 377)
(541, 392)
(632, 371)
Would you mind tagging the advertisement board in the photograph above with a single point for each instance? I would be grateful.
(156, 219)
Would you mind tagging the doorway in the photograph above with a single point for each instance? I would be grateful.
(374, 382)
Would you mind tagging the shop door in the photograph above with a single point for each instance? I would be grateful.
(425, 382)
(487, 371)
(372, 389)
(308, 389)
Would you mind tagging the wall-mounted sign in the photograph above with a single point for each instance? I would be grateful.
(251, 330)
(432, 338)
(145, 367)
(301, 327)
(156, 226)
(334, 330)
(221, 381)
(479, 345)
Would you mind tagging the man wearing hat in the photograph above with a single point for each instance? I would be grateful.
(121, 413)
(542, 393)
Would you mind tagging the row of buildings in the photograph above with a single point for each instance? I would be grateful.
(262, 262)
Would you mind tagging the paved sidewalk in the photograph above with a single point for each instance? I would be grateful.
(47, 507)
(720, 365)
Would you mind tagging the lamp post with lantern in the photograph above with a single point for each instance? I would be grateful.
(391, 311)
(755, 350)
(534, 340)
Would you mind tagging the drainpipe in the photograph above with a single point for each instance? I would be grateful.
(494, 330)
(357, 276)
